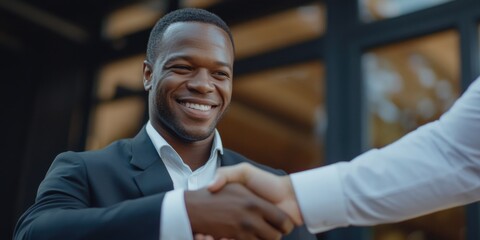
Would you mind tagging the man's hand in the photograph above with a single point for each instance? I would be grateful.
(199, 236)
(275, 189)
(235, 212)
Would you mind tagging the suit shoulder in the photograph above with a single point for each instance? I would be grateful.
(240, 158)
(120, 148)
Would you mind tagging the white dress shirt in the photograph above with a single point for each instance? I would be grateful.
(434, 167)
(174, 222)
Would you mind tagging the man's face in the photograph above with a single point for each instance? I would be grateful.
(190, 85)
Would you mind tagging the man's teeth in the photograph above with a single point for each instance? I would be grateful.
(198, 106)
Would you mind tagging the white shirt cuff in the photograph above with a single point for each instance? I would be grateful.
(174, 222)
(320, 197)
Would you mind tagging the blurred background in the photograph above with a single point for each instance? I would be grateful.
(316, 82)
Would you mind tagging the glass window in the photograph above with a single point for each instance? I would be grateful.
(279, 30)
(125, 73)
(132, 18)
(120, 106)
(277, 116)
(198, 3)
(113, 120)
(373, 10)
(406, 85)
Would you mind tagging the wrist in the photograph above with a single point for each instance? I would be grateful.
(291, 202)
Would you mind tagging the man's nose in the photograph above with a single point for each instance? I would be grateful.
(201, 82)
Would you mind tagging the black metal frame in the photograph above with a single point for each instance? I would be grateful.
(347, 38)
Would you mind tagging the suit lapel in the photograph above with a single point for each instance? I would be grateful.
(228, 159)
(154, 178)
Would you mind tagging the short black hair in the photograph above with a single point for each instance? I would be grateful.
(181, 15)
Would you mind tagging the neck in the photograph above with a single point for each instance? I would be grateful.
(194, 154)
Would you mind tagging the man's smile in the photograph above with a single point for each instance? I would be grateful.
(197, 106)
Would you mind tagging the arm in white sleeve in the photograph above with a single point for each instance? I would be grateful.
(434, 167)
(174, 222)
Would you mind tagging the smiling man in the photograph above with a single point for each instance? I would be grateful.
(151, 186)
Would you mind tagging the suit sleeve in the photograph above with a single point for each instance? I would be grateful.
(434, 167)
(62, 209)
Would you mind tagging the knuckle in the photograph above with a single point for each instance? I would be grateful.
(277, 236)
(251, 206)
(243, 166)
(283, 223)
(247, 226)
(287, 225)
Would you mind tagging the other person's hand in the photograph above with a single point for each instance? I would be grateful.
(208, 237)
(235, 212)
(275, 189)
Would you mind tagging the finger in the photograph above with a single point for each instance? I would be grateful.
(218, 182)
(261, 229)
(262, 183)
(276, 217)
(199, 237)
(268, 232)
(271, 222)
(225, 175)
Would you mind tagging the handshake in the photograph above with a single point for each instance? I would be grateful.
(243, 202)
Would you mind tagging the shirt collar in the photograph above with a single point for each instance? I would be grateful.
(159, 142)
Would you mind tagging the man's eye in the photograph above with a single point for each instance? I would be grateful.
(182, 67)
(221, 74)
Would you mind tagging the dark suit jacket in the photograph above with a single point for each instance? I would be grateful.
(113, 193)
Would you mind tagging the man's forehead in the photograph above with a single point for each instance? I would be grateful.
(195, 35)
(193, 27)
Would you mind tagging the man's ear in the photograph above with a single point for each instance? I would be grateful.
(147, 75)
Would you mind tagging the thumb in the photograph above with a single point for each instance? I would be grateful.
(217, 183)
(226, 175)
